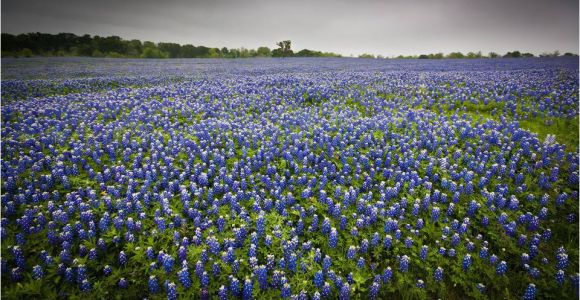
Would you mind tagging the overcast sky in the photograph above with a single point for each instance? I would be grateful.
(387, 27)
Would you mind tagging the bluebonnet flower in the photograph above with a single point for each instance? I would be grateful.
(153, 284)
(387, 242)
(184, 278)
(501, 268)
(318, 279)
(350, 253)
(560, 277)
(561, 261)
(530, 292)
(438, 274)
(92, 254)
(408, 242)
(261, 274)
(222, 293)
(374, 290)
(424, 252)
(466, 263)
(364, 246)
(216, 158)
(285, 292)
(451, 252)
(123, 283)
(420, 284)
(534, 272)
(234, 285)
(333, 239)
(215, 269)
(122, 258)
(37, 272)
(85, 286)
(387, 275)
(326, 290)
(344, 293)
(204, 279)
(360, 263)
(16, 274)
(171, 291)
(18, 255)
(316, 296)
(247, 290)
(575, 281)
(404, 263)
(107, 270)
(167, 263)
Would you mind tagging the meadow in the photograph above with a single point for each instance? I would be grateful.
(300, 178)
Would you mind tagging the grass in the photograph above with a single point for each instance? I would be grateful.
(565, 130)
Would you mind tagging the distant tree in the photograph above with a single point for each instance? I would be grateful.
(366, 55)
(148, 44)
(287, 47)
(134, 48)
(97, 53)
(234, 53)
(201, 51)
(514, 54)
(493, 55)
(570, 54)
(150, 52)
(264, 51)
(474, 54)
(243, 53)
(114, 55)
(552, 54)
(172, 49)
(330, 54)
(423, 56)
(214, 53)
(187, 51)
(455, 55)
(308, 53)
(312, 53)
(26, 53)
(111, 44)
(527, 54)
(283, 49)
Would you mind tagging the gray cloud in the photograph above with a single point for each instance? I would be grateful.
(348, 27)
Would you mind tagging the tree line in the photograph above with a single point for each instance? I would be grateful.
(459, 55)
(69, 44)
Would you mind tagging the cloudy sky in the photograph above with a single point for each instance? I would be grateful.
(387, 27)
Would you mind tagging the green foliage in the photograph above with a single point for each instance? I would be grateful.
(514, 54)
(153, 53)
(431, 56)
(264, 51)
(284, 49)
(25, 53)
(68, 44)
(455, 55)
(366, 55)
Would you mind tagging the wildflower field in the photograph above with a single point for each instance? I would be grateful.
(315, 178)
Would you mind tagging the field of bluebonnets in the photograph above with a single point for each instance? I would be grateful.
(290, 178)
